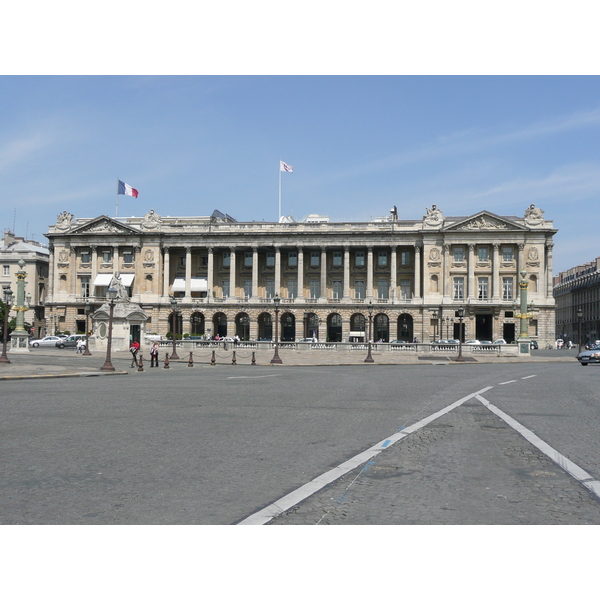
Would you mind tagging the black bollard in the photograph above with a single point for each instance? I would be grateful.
(213, 360)
(141, 364)
(191, 361)
(234, 362)
(166, 361)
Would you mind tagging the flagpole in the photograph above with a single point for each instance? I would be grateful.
(279, 190)
(117, 200)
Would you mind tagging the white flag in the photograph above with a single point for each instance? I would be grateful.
(285, 167)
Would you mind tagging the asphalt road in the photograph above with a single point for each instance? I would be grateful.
(214, 445)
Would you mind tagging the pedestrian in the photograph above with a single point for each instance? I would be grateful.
(134, 349)
(80, 345)
(154, 355)
(236, 339)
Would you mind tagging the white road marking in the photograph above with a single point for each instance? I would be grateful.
(529, 377)
(562, 461)
(308, 489)
(505, 382)
(253, 376)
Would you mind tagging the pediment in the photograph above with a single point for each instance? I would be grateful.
(104, 224)
(485, 221)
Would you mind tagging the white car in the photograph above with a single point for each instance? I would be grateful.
(500, 341)
(49, 340)
(473, 342)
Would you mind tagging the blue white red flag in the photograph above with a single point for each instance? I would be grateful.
(285, 167)
(126, 190)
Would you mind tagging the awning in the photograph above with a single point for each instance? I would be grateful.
(197, 284)
(104, 279)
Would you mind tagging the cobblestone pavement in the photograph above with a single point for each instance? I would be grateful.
(466, 468)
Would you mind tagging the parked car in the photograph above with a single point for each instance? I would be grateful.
(70, 341)
(399, 342)
(589, 356)
(472, 342)
(533, 345)
(49, 340)
(500, 341)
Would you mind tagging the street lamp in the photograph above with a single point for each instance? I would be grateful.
(7, 302)
(87, 352)
(461, 313)
(579, 319)
(112, 294)
(369, 358)
(175, 314)
(276, 360)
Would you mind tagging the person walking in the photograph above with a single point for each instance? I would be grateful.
(80, 345)
(154, 355)
(134, 349)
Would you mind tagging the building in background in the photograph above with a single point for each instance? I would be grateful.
(578, 289)
(36, 257)
(415, 274)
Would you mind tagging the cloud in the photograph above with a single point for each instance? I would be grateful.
(20, 150)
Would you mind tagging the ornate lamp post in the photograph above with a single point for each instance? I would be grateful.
(276, 360)
(369, 358)
(579, 320)
(461, 313)
(87, 352)
(524, 315)
(19, 337)
(7, 303)
(175, 318)
(108, 366)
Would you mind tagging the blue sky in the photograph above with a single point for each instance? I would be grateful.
(358, 145)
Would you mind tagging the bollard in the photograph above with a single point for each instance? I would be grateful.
(213, 361)
(191, 361)
(253, 360)
(166, 361)
(141, 364)
(234, 362)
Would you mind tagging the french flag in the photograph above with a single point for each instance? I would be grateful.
(126, 190)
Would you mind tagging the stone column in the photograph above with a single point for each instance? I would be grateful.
(231, 273)
(549, 275)
(471, 283)
(323, 295)
(51, 288)
(138, 282)
(369, 272)
(94, 250)
(417, 290)
(496, 285)
(166, 270)
(445, 276)
(116, 259)
(520, 267)
(394, 273)
(73, 271)
(300, 272)
(346, 274)
(188, 272)
(278, 271)
(210, 274)
(255, 272)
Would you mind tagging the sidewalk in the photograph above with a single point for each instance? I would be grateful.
(43, 363)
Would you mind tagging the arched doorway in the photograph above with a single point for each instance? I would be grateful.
(334, 328)
(197, 323)
(357, 327)
(176, 321)
(265, 326)
(219, 324)
(381, 328)
(311, 326)
(288, 327)
(405, 328)
(242, 326)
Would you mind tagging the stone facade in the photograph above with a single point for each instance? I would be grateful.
(411, 275)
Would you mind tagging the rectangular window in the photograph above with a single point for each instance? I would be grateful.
(336, 288)
(337, 259)
(85, 287)
(383, 289)
(107, 256)
(292, 288)
(482, 288)
(292, 259)
(204, 261)
(85, 256)
(507, 254)
(382, 259)
(405, 258)
(247, 288)
(128, 258)
(270, 288)
(458, 253)
(483, 253)
(226, 259)
(6, 270)
(315, 288)
(359, 289)
(359, 259)
(405, 292)
(459, 288)
(248, 259)
(507, 288)
(225, 288)
(270, 259)
(314, 259)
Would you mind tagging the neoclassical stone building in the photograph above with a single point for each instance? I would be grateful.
(411, 275)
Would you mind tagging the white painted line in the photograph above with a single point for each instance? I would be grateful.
(253, 376)
(529, 377)
(274, 510)
(505, 382)
(562, 461)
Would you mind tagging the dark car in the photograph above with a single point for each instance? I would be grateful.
(533, 345)
(71, 341)
(589, 356)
